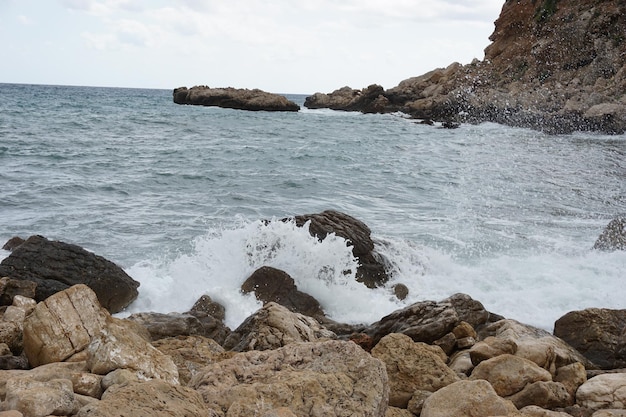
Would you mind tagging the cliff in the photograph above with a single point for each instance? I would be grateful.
(553, 65)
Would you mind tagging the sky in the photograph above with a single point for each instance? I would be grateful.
(281, 46)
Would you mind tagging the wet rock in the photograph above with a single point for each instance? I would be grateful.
(597, 333)
(13, 243)
(401, 291)
(603, 391)
(273, 285)
(206, 306)
(509, 374)
(614, 236)
(312, 379)
(55, 266)
(274, 326)
(233, 98)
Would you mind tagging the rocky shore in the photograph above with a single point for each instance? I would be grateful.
(64, 354)
(553, 65)
(233, 98)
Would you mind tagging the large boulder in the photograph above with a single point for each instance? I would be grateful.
(274, 326)
(332, 378)
(55, 266)
(371, 270)
(271, 284)
(39, 399)
(598, 333)
(613, 237)
(233, 98)
(603, 391)
(509, 374)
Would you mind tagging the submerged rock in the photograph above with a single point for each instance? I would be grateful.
(233, 98)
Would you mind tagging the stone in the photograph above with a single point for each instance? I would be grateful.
(160, 325)
(10, 362)
(11, 413)
(467, 399)
(119, 377)
(535, 411)
(25, 303)
(274, 326)
(55, 266)
(39, 399)
(11, 335)
(118, 347)
(597, 333)
(509, 374)
(398, 412)
(371, 271)
(147, 399)
(58, 370)
(461, 363)
(233, 98)
(464, 330)
(572, 376)
(545, 394)
(491, 347)
(13, 243)
(62, 325)
(366, 100)
(416, 403)
(603, 391)
(273, 285)
(412, 366)
(311, 379)
(10, 288)
(401, 291)
(205, 305)
(604, 413)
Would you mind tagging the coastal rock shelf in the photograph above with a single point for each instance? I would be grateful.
(234, 98)
(555, 66)
(67, 356)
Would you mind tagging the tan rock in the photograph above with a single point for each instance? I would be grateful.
(461, 363)
(604, 413)
(490, 348)
(147, 399)
(543, 394)
(11, 413)
(571, 376)
(411, 366)
(44, 373)
(25, 303)
(279, 412)
(416, 403)
(467, 399)
(39, 399)
(464, 329)
(509, 374)
(11, 335)
(274, 326)
(535, 411)
(118, 347)
(119, 377)
(312, 379)
(398, 412)
(62, 325)
(603, 391)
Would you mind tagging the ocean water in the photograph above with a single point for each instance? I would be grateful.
(176, 195)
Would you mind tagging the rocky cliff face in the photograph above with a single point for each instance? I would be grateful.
(553, 65)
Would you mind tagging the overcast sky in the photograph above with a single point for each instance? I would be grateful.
(282, 46)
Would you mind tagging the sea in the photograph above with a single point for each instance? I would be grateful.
(186, 200)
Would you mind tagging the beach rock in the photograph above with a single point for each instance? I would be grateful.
(274, 326)
(461, 363)
(55, 266)
(161, 325)
(371, 270)
(416, 403)
(72, 371)
(537, 345)
(545, 394)
(412, 366)
(39, 399)
(205, 306)
(535, 411)
(467, 399)
(603, 391)
(273, 285)
(614, 236)
(233, 98)
(147, 399)
(571, 376)
(598, 333)
(311, 379)
(509, 374)
(118, 346)
(62, 325)
(396, 412)
(191, 353)
(9, 288)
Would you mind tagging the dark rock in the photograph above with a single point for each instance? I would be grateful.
(161, 326)
(13, 243)
(271, 284)
(401, 291)
(55, 266)
(371, 271)
(206, 306)
(233, 98)
(368, 100)
(598, 333)
(8, 362)
(9, 288)
(614, 236)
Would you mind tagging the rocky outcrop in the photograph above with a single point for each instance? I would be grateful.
(55, 266)
(556, 66)
(368, 100)
(233, 98)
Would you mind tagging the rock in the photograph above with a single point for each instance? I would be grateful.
(412, 366)
(191, 353)
(274, 326)
(571, 376)
(39, 399)
(279, 412)
(607, 413)
(509, 374)
(401, 291)
(11, 335)
(211, 316)
(13, 243)
(56, 266)
(416, 403)
(233, 98)
(603, 391)
(9, 362)
(535, 411)
(273, 285)
(11, 413)
(312, 379)
(597, 333)
(614, 236)
(371, 271)
(396, 412)
(461, 363)
(467, 399)
(119, 377)
(491, 347)
(72, 371)
(206, 306)
(147, 399)
(545, 394)
(117, 346)
(367, 100)
(161, 325)
(9, 288)
(62, 325)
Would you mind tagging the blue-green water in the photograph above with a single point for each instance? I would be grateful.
(174, 195)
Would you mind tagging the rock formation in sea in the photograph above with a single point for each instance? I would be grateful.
(233, 98)
(553, 65)
(67, 356)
